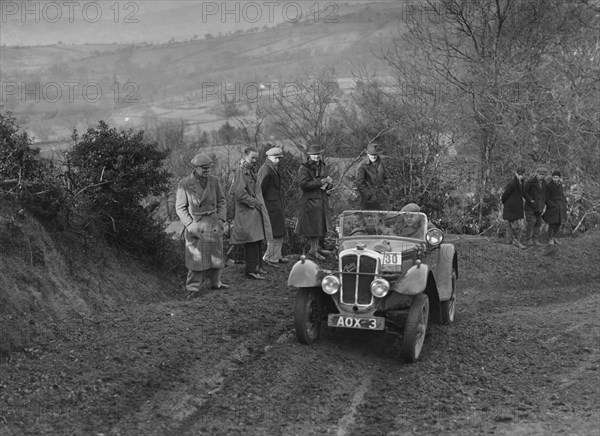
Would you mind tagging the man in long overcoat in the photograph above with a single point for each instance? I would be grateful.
(513, 212)
(556, 207)
(313, 218)
(534, 193)
(269, 180)
(251, 223)
(372, 181)
(201, 206)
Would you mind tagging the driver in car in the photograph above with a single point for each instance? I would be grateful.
(410, 225)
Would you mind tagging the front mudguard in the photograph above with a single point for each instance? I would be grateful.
(414, 282)
(305, 274)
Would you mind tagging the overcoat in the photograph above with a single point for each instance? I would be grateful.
(372, 184)
(313, 218)
(251, 221)
(512, 199)
(201, 210)
(556, 204)
(269, 180)
(535, 190)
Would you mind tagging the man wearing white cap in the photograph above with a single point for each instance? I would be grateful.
(269, 180)
(201, 207)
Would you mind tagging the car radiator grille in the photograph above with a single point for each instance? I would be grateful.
(357, 289)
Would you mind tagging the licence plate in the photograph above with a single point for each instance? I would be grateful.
(392, 258)
(352, 322)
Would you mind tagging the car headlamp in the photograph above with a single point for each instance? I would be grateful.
(330, 284)
(380, 287)
(434, 237)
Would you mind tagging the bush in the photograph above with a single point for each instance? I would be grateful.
(112, 175)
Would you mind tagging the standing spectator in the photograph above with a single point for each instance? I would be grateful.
(372, 181)
(200, 205)
(269, 180)
(556, 207)
(512, 199)
(313, 219)
(251, 221)
(534, 193)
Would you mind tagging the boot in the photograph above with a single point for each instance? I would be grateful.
(517, 241)
(536, 236)
(550, 235)
(508, 236)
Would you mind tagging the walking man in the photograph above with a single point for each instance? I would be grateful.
(313, 219)
(200, 205)
(512, 199)
(372, 181)
(534, 193)
(556, 207)
(269, 180)
(251, 221)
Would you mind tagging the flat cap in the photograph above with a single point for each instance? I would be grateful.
(275, 151)
(556, 173)
(520, 170)
(411, 207)
(541, 170)
(202, 160)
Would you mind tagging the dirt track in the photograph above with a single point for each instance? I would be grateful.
(521, 358)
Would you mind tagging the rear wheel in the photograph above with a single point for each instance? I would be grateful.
(415, 329)
(307, 314)
(448, 306)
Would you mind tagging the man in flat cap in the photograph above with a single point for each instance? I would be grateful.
(512, 212)
(534, 193)
(410, 224)
(372, 181)
(313, 218)
(201, 207)
(251, 225)
(556, 207)
(269, 180)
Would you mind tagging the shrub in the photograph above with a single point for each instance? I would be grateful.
(113, 177)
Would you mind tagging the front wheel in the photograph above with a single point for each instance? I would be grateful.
(415, 329)
(307, 314)
(449, 306)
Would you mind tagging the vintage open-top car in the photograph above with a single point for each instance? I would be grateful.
(393, 274)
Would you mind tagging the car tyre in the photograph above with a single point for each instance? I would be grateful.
(449, 306)
(415, 329)
(307, 314)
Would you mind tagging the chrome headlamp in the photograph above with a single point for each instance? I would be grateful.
(330, 284)
(380, 287)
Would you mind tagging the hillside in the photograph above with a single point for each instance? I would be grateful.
(129, 84)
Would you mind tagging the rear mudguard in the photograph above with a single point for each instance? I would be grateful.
(446, 263)
(305, 274)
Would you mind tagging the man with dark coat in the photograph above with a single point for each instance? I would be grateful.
(512, 199)
(313, 219)
(534, 193)
(372, 181)
(556, 207)
(201, 206)
(269, 180)
(251, 223)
